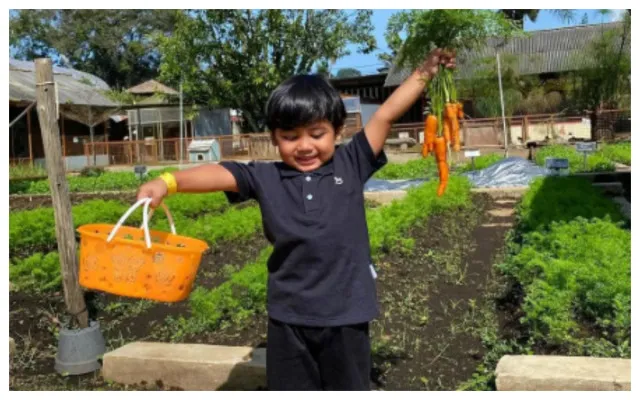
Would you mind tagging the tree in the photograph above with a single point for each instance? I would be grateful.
(523, 94)
(115, 45)
(411, 34)
(348, 73)
(235, 58)
(604, 79)
(396, 23)
(518, 15)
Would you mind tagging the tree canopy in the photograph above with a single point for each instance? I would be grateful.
(235, 58)
(115, 45)
(348, 73)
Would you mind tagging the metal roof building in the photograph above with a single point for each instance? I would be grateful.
(80, 95)
(539, 52)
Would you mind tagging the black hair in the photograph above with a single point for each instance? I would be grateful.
(304, 99)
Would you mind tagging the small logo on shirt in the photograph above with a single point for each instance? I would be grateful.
(338, 180)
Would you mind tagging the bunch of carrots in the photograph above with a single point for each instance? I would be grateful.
(442, 126)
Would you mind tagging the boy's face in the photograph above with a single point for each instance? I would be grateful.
(308, 147)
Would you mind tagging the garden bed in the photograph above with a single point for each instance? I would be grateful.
(447, 313)
(34, 321)
(564, 286)
(451, 276)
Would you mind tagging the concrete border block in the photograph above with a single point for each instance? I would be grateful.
(385, 197)
(548, 373)
(187, 366)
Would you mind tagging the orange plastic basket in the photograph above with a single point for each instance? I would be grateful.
(137, 262)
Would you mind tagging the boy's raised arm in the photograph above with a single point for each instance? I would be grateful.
(379, 126)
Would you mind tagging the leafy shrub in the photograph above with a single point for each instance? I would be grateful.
(26, 171)
(388, 225)
(618, 152)
(92, 171)
(34, 230)
(482, 162)
(190, 205)
(571, 273)
(37, 272)
(242, 296)
(413, 169)
(91, 180)
(563, 199)
(596, 162)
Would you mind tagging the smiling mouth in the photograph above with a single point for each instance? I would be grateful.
(306, 160)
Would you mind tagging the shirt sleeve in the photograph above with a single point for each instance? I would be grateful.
(360, 155)
(245, 175)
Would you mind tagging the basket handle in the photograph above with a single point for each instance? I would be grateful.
(169, 217)
(145, 220)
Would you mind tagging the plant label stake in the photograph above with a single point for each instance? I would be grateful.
(559, 166)
(472, 154)
(585, 148)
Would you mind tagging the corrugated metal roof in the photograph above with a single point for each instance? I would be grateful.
(79, 75)
(152, 87)
(74, 87)
(201, 145)
(545, 51)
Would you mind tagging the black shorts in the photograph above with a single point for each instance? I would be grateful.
(318, 358)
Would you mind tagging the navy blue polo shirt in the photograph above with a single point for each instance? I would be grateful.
(319, 271)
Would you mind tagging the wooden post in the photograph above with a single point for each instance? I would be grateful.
(161, 137)
(93, 143)
(106, 139)
(138, 134)
(64, 140)
(30, 139)
(45, 95)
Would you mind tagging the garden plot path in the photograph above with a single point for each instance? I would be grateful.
(431, 298)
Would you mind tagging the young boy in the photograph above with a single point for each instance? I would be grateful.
(321, 288)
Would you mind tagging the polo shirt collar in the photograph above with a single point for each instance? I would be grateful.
(289, 172)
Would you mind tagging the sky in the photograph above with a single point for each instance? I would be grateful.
(369, 63)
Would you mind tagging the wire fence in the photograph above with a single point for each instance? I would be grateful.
(522, 131)
(169, 151)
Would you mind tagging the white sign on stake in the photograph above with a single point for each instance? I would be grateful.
(586, 147)
(471, 153)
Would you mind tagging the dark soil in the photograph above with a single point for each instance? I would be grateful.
(422, 340)
(30, 202)
(35, 320)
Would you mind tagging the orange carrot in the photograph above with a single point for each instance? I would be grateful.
(446, 130)
(455, 134)
(431, 131)
(460, 111)
(452, 111)
(425, 149)
(441, 159)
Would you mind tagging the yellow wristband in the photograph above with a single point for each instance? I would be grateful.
(170, 180)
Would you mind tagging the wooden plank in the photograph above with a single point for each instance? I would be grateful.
(45, 96)
(93, 145)
(30, 138)
(106, 139)
(64, 139)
